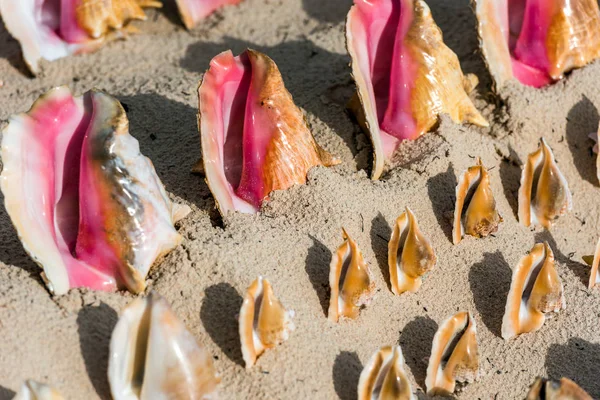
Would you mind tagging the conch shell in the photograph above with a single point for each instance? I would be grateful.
(544, 194)
(384, 378)
(264, 322)
(193, 11)
(154, 356)
(537, 41)
(594, 261)
(405, 75)
(454, 356)
(351, 281)
(410, 254)
(254, 138)
(52, 29)
(87, 205)
(475, 211)
(535, 289)
(32, 390)
(565, 389)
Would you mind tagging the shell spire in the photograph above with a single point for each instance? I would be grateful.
(410, 254)
(264, 323)
(544, 194)
(384, 377)
(535, 289)
(32, 390)
(475, 211)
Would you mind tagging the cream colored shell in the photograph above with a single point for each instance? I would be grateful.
(384, 378)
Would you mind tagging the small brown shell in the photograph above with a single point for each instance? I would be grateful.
(565, 389)
(384, 377)
(32, 390)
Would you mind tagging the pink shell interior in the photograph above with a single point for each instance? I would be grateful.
(196, 10)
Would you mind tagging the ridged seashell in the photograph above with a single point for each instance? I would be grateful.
(537, 41)
(405, 75)
(454, 355)
(535, 289)
(475, 211)
(254, 138)
(544, 194)
(594, 261)
(264, 322)
(350, 279)
(54, 29)
(565, 389)
(154, 356)
(106, 234)
(32, 390)
(410, 254)
(193, 11)
(384, 378)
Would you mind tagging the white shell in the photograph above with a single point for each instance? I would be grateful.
(32, 390)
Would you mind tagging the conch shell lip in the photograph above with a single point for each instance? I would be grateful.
(384, 377)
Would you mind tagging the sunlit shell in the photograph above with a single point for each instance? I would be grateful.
(351, 281)
(537, 41)
(153, 356)
(594, 261)
(405, 75)
(384, 378)
(52, 29)
(565, 389)
(535, 289)
(193, 11)
(475, 211)
(264, 323)
(410, 254)
(105, 236)
(544, 194)
(254, 138)
(32, 390)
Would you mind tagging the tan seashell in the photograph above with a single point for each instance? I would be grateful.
(383, 378)
(594, 261)
(544, 194)
(32, 390)
(99, 17)
(264, 322)
(454, 356)
(475, 211)
(535, 289)
(565, 389)
(351, 281)
(410, 254)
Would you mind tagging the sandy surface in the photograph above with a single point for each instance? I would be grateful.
(64, 340)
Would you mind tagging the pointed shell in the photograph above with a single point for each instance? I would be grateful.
(384, 377)
(454, 355)
(32, 390)
(565, 389)
(410, 254)
(264, 323)
(193, 11)
(594, 261)
(544, 194)
(154, 356)
(535, 289)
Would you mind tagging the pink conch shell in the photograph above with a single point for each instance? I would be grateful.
(405, 75)
(32, 390)
(535, 289)
(153, 356)
(52, 29)
(384, 378)
(410, 254)
(192, 11)
(454, 355)
(254, 139)
(565, 389)
(264, 323)
(351, 281)
(109, 233)
(594, 261)
(537, 41)
(544, 195)
(475, 211)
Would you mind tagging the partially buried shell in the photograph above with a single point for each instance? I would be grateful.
(263, 322)
(350, 279)
(454, 355)
(565, 389)
(52, 29)
(32, 390)
(254, 139)
(537, 41)
(410, 254)
(384, 378)
(475, 211)
(405, 75)
(87, 205)
(193, 11)
(535, 290)
(594, 261)
(154, 356)
(544, 195)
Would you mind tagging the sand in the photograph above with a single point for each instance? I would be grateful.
(64, 340)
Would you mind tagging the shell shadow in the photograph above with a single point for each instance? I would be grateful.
(346, 373)
(317, 269)
(510, 175)
(581, 121)
(380, 237)
(490, 282)
(332, 11)
(10, 50)
(441, 189)
(415, 341)
(579, 269)
(95, 326)
(218, 314)
(578, 360)
(6, 393)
